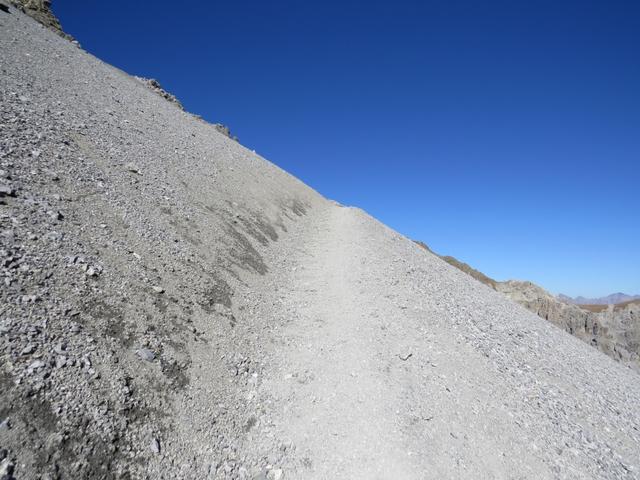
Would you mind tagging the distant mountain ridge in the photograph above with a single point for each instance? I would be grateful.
(613, 299)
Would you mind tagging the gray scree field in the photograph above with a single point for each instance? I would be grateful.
(175, 306)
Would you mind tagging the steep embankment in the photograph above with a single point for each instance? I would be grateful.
(133, 236)
(174, 306)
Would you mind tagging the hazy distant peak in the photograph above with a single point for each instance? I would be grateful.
(611, 299)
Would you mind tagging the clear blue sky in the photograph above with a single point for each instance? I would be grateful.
(504, 133)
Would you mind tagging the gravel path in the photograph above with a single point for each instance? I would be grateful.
(340, 407)
(175, 306)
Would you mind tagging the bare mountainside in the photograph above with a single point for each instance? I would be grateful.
(612, 329)
(175, 306)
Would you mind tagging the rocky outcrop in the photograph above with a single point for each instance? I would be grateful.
(223, 129)
(622, 323)
(154, 85)
(612, 329)
(40, 10)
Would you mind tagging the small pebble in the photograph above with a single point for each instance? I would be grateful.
(146, 354)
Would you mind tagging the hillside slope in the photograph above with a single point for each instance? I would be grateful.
(612, 329)
(132, 238)
(175, 306)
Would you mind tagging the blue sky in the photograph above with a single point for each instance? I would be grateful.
(504, 133)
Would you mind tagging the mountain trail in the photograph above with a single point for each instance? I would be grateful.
(338, 403)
